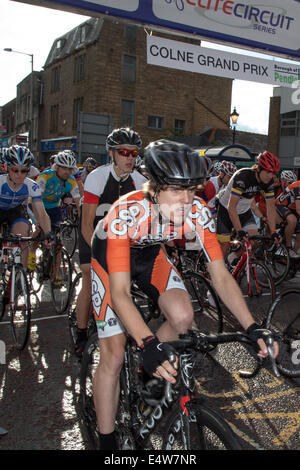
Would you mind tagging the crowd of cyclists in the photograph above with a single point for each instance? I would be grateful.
(128, 211)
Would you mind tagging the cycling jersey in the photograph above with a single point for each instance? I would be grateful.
(209, 193)
(9, 199)
(290, 195)
(103, 187)
(245, 185)
(129, 239)
(53, 188)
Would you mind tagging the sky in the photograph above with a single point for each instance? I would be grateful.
(32, 30)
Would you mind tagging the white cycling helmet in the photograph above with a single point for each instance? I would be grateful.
(288, 175)
(66, 159)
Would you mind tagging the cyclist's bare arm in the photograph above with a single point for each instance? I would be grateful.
(88, 215)
(231, 295)
(41, 216)
(131, 318)
(233, 201)
(271, 213)
(298, 207)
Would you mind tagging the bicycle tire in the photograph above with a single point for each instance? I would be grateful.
(201, 429)
(69, 237)
(276, 260)
(20, 310)
(72, 321)
(89, 362)
(208, 314)
(60, 294)
(284, 318)
(3, 294)
(261, 286)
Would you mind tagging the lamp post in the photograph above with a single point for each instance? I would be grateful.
(30, 134)
(234, 119)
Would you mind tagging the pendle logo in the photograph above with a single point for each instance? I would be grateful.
(272, 17)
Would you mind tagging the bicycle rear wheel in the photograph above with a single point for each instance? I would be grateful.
(69, 237)
(20, 312)
(89, 363)
(207, 310)
(284, 318)
(60, 279)
(276, 259)
(201, 429)
(258, 290)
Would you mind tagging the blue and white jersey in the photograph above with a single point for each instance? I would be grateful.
(10, 199)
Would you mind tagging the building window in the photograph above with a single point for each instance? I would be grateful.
(179, 127)
(60, 44)
(156, 122)
(127, 113)
(55, 79)
(83, 33)
(54, 118)
(130, 32)
(80, 68)
(288, 124)
(77, 108)
(129, 68)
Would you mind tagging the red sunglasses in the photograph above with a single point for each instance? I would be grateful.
(126, 152)
(17, 170)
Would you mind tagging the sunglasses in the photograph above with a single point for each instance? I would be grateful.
(23, 171)
(126, 152)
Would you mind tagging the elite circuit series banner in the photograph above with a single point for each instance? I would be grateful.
(192, 58)
(271, 26)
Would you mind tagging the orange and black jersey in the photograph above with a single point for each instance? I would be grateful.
(133, 221)
(290, 195)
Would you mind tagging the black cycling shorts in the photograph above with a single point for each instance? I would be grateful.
(12, 216)
(224, 224)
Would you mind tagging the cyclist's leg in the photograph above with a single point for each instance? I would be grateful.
(224, 228)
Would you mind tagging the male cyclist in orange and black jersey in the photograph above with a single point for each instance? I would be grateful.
(234, 210)
(126, 246)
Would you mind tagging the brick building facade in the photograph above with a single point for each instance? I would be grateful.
(101, 67)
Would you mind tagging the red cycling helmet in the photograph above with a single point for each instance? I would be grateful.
(268, 161)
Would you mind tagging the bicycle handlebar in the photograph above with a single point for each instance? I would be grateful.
(199, 341)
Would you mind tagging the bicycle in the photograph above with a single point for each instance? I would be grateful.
(53, 264)
(14, 288)
(177, 420)
(69, 228)
(284, 318)
(254, 279)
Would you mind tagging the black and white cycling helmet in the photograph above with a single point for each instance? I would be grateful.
(288, 175)
(16, 155)
(123, 136)
(90, 161)
(66, 158)
(174, 163)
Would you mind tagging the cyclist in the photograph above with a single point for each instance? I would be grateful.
(288, 209)
(15, 189)
(102, 187)
(57, 182)
(89, 165)
(126, 245)
(234, 208)
(216, 183)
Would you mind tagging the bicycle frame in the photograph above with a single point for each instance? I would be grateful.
(245, 261)
(10, 253)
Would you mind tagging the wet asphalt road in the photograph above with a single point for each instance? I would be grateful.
(39, 392)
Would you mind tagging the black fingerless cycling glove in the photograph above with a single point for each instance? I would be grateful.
(154, 353)
(255, 332)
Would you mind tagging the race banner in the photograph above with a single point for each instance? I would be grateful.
(271, 26)
(193, 58)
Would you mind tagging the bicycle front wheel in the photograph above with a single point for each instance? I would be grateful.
(284, 319)
(89, 363)
(200, 429)
(60, 279)
(20, 312)
(207, 310)
(69, 237)
(258, 289)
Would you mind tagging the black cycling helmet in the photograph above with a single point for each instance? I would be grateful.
(123, 136)
(170, 162)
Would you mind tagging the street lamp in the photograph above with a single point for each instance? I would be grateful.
(234, 119)
(30, 134)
